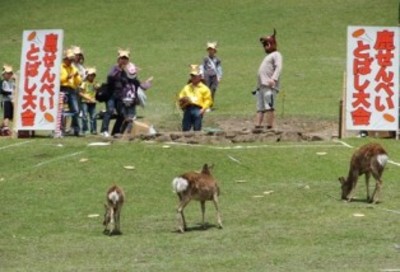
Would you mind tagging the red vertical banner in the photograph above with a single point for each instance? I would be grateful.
(39, 80)
(372, 97)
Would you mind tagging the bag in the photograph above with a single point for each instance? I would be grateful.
(103, 93)
(141, 97)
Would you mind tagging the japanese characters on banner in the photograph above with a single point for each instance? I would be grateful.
(372, 97)
(39, 80)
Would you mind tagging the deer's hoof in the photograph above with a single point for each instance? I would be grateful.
(181, 229)
(115, 232)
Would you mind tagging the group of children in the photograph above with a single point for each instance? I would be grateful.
(78, 87)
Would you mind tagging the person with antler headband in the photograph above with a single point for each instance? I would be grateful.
(268, 82)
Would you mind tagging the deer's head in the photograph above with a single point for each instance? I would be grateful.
(207, 169)
(346, 187)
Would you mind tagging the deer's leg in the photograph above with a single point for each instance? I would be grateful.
(377, 173)
(203, 211)
(181, 216)
(117, 222)
(377, 191)
(215, 201)
(367, 176)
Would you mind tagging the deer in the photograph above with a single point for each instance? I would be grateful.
(198, 186)
(368, 159)
(115, 200)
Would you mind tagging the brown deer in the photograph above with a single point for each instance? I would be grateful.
(368, 159)
(115, 199)
(199, 186)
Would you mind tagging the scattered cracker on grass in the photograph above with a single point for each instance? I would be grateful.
(241, 181)
(258, 196)
(83, 160)
(358, 214)
(129, 167)
(321, 153)
(268, 192)
(99, 143)
(93, 215)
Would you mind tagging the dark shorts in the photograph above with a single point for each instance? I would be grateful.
(8, 110)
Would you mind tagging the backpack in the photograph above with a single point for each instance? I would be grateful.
(103, 93)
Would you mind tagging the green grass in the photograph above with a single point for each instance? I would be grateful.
(47, 193)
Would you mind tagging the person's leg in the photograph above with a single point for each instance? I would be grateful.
(197, 119)
(261, 107)
(119, 105)
(92, 117)
(74, 109)
(259, 119)
(270, 98)
(270, 118)
(85, 117)
(186, 121)
(110, 107)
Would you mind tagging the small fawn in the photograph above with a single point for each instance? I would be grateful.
(368, 159)
(199, 186)
(115, 200)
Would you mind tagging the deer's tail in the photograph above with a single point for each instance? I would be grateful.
(114, 197)
(382, 159)
(179, 184)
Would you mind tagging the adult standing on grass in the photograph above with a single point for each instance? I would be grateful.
(70, 81)
(212, 69)
(116, 79)
(194, 99)
(268, 82)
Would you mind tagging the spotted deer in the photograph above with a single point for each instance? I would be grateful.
(115, 200)
(198, 186)
(368, 159)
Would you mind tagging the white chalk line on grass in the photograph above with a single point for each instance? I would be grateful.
(13, 145)
(58, 158)
(250, 146)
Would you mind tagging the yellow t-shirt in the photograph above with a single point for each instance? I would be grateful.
(72, 82)
(88, 91)
(199, 94)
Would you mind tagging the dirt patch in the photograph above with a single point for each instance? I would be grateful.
(241, 130)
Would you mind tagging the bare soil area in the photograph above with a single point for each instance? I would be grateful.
(241, 130)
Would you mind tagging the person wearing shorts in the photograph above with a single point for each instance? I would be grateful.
(268, 82)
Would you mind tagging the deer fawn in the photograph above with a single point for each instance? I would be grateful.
(368, 159)
(115, 200)
(199, 186)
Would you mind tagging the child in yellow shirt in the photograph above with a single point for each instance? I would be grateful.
(87, 92)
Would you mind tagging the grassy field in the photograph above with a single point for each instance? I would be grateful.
(48, 191)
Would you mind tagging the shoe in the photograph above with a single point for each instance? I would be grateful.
(105, 134)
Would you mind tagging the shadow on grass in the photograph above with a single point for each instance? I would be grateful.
(199, 227)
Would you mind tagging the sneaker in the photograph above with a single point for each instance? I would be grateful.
(105, 134)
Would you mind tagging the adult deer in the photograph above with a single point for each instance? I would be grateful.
(199, 186)
(115, 200)
(368, 159)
